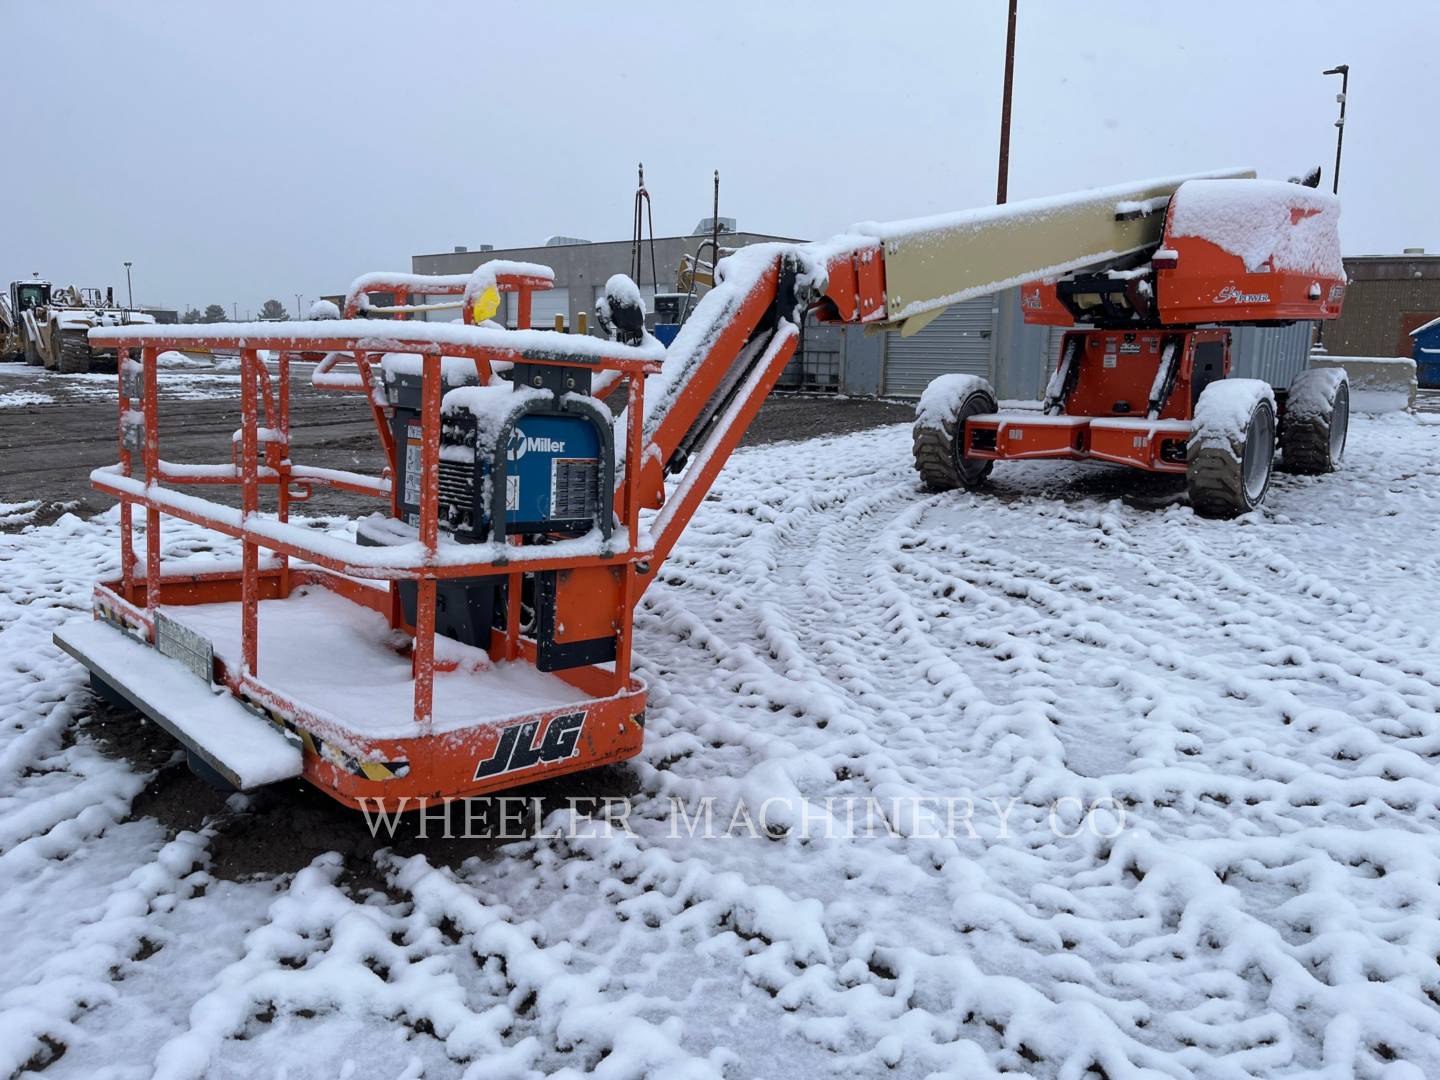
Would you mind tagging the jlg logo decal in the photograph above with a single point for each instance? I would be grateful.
(517, 749)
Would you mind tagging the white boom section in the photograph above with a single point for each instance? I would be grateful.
(933, 262)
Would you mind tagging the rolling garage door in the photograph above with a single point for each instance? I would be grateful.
(962, 339)
(545, 304)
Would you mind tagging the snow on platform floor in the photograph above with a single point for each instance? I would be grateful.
(1262, 697)
(341, 660)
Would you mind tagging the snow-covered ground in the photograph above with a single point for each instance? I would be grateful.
(1201, 759)
(183, 378)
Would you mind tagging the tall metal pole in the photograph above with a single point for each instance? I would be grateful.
(297, 304)
(1003, 182)
(128, 288)
(1343, 70)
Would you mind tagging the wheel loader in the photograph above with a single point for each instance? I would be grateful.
(50, 327)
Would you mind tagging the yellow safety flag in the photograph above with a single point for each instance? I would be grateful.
(486, 304)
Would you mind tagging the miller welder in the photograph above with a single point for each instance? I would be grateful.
(534, 457)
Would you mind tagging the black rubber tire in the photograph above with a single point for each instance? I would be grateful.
(74, 352)
(32, 354)
(1314, 442)
(940, 452)
(1216, 475)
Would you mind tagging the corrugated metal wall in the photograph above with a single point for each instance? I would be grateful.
(962, 339)
(1273, 353)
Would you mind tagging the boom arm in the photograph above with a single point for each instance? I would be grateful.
(902, 275)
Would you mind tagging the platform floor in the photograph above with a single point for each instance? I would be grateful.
(343, 660)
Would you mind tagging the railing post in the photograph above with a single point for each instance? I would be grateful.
(282, 466)
(634, 453)
(127, 536)
(630, 593)
(424, 652)
(249, 505)
(151, 407)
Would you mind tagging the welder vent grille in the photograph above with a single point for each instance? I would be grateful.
(457, 484)
(575, 490)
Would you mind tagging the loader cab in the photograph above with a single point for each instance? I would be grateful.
(29, 295)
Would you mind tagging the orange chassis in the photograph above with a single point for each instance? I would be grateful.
(1106, 409)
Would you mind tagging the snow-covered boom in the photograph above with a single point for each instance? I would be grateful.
(477, 633)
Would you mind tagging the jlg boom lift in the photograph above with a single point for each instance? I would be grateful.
(1144, 383)
(477, 633)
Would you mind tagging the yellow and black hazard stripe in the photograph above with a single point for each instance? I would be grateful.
(108, 614)
(329, 751)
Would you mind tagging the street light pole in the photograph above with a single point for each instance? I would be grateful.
(297, 304)
(130, 291)
(1343, 70)
(1002, 183)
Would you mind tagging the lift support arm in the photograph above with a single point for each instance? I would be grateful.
(896, 275)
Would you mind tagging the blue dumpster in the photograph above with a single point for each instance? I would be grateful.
(1427, 354)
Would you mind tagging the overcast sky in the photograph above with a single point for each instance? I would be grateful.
(237, 152)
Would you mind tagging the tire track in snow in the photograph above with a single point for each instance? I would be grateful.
(826, 629)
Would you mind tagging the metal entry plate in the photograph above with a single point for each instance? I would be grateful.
(179, 642)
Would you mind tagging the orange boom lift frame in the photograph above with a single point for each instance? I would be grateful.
(580, 713)
(752, 343)
(1126, 391)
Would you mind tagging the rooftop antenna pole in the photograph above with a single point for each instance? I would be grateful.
(635, 228)
(642, 200)
(1002, 183)
(1343, 70)
(715, 224)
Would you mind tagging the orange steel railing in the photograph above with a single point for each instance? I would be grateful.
(270, 465)
(711, 396)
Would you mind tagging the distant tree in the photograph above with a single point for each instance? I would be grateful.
(273, 309)
(213, 313)
(192, 315)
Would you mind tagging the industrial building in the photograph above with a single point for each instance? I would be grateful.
(1388, 298)
(986, 336)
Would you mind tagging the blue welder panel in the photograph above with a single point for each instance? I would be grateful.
(549, 460)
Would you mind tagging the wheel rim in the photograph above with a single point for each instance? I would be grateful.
(970, 468)
(1259, 452)
(1339, 423)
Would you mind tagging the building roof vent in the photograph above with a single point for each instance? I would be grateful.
(565, 241)
(707, 226)
(1414, 251)
(461, 249)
